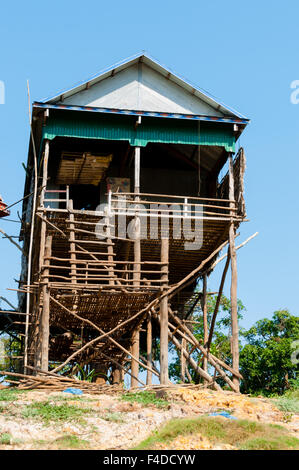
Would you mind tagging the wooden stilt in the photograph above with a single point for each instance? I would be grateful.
(149, 348)
(205, 318)
(42, 202)
(136, 269)
(137, 245)
(183, 360)
(164, 379)
(43, 226)
(45, 326)
(116, 376)
(233, 290)
(100, 373)
(135, 353)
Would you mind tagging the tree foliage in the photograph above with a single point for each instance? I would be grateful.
(266, 358)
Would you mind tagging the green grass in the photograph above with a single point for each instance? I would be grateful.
(70, 442)
(289, 402)
(275, 443)
(69, 397)
(10, 394)
(145, 399)
(58, 413)
(67, 442)
(114, 417)
(241, 434)
(5, 438)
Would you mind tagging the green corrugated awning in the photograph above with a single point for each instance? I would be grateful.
(155, 130)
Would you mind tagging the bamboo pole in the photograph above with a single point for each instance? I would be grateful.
(30, 248)
(192, 343)
(211, 360)
(192, 362)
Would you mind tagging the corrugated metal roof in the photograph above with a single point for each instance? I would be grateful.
(93, 126)
(132, 112)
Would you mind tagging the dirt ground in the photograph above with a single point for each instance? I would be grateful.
(111, 423)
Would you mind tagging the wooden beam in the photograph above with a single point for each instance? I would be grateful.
(234, 276)
(210, 358)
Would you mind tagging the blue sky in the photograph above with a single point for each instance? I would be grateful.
(245, 53)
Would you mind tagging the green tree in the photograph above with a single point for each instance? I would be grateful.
(265, 361)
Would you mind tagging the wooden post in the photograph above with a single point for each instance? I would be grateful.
(100, 373)
(205, 318)
(137, 170)
(183, 360)
(136, 269)
(233, 290)
(135, 353)
(164, 379)
(116, 379)
(45, 171)
(137, 245)
(137, 255)
(45, 325)
(42, 199)
(149, 351)
(122, 374)
(42, 242)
